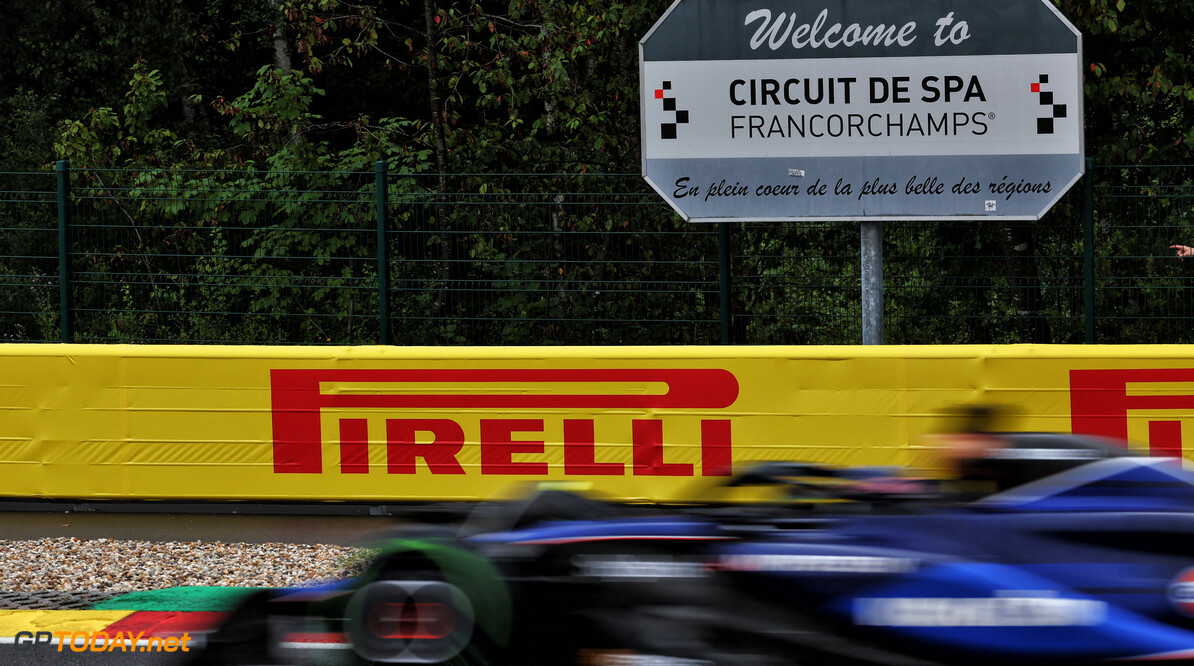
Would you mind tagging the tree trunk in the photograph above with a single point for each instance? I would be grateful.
(441, 158)
(281, 53)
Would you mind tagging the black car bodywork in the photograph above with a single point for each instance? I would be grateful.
(1077, 552)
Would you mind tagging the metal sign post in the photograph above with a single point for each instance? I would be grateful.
(872, 281)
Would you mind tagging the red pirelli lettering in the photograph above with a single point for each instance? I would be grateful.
(498, 446)
(354, 446)
(1100, 401)
(580, 451)
(298, 396)
(716, 448)
(648, 452)
(403, 449)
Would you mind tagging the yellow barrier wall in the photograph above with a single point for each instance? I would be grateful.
(392, 424)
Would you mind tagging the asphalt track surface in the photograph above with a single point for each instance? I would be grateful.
(348, 530)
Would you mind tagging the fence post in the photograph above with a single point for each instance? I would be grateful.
(383, 255)
(1088, 250)
(723, 263)
(871, 260)
(62, 170)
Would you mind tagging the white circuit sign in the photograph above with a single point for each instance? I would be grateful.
(875, 109)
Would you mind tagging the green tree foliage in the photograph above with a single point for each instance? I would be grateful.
(1139, 80)
(154, 101)
(545, 85)
(67, 57)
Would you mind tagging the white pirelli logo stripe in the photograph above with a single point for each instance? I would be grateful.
(819, 563)
(1008, 611)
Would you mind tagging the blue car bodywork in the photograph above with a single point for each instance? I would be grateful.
(1087, 557)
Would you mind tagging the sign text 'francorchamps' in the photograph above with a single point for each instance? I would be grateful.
(852, 109)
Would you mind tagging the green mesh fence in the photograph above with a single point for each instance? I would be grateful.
(1142, 291)
(562, 262)
(162, 257)
(254, 257)
(29, 292)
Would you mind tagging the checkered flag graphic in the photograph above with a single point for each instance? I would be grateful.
(668, 130)
(1045, 125)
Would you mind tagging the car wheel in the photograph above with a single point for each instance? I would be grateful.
(413, 622)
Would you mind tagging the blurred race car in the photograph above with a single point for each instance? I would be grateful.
(1071, 550)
